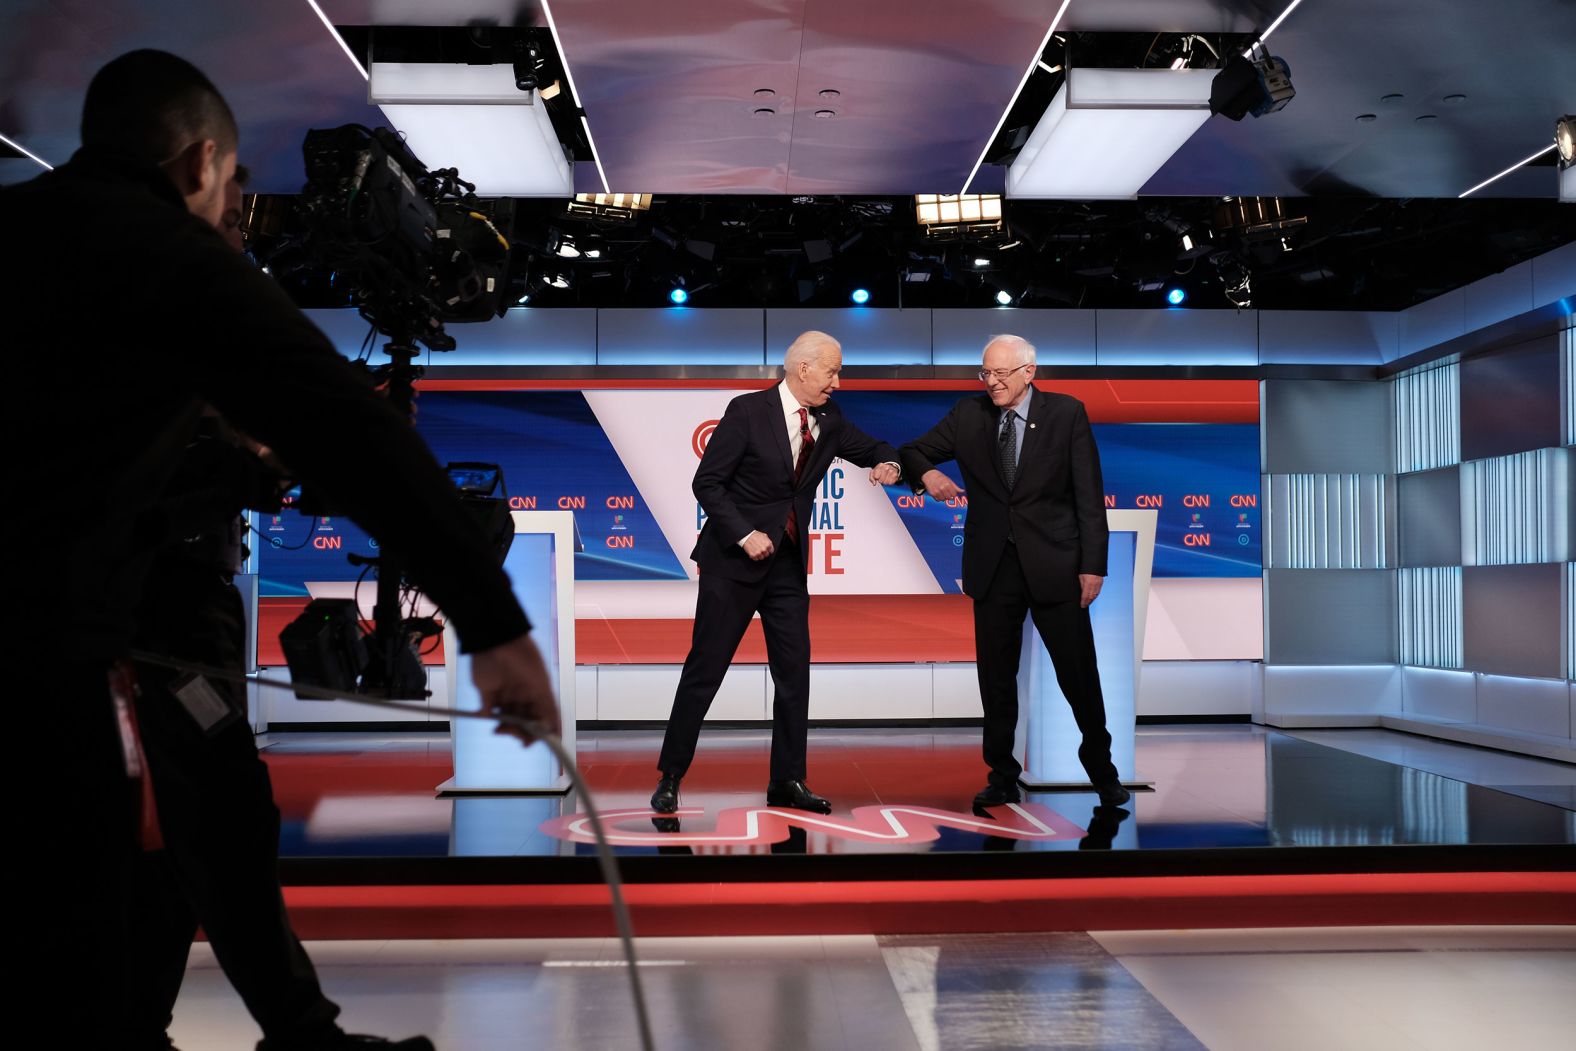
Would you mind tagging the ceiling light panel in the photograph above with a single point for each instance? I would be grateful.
(1108, 131)
(473, 118)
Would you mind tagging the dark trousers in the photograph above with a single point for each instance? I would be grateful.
(722, 613)
(219, 868)
(998, 643)
(79, 820)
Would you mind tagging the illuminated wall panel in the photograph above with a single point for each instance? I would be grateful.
(1330, 521)
(1428, 418)
(1516, 509)
(1430, 601)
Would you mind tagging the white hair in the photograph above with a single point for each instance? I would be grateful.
(1024, 347)
(807, 348)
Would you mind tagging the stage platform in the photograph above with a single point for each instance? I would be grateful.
(1245, 826)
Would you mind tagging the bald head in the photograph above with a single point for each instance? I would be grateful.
(1008, 369)
(811, 366)
(1020, 350)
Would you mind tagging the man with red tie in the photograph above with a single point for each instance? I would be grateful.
(756, 482)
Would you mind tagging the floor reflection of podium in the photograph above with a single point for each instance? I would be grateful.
(1047, 739)
(541, 568)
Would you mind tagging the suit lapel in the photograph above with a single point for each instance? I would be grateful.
(821, 452)
(992, 424)
(773, 408)
(1039, 413)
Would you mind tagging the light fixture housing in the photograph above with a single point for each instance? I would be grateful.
(1004, 298)
(1565, 140)
(945, 215)
(860, 296)
(1108, 131)
(474, 118)
(678, 297)
(613, 207)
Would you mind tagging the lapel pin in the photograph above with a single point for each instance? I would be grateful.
(1031, 426)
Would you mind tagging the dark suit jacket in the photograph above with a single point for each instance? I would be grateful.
(1056, 507)
(745, 478)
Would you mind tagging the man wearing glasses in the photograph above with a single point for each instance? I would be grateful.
(1034, 544)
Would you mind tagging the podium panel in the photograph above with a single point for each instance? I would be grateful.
(1048, 738)
(540, 565)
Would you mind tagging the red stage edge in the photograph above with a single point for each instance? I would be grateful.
(921, 907)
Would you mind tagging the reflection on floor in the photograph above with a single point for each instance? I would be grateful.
(906, 791)
(1389, 989)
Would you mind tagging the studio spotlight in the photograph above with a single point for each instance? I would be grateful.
(678, 297)
(1256, 83)
(614, 207)
(1565, 140)
(860, 296)
(1177, 296)
(1004, 298)
(1565, 155)
(947, 216)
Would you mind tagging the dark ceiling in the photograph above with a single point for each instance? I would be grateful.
(789, 209)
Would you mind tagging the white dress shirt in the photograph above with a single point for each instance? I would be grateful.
(791, 409)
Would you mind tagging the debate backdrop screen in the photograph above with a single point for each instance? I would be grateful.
(622, 460)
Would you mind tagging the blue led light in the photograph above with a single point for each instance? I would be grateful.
(1176, 297)
(860, 296)
(678, 297)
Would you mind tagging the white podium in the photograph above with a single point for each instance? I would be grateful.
(1047, 739)
(541, 568)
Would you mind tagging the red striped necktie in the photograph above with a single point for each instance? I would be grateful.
(806, 443)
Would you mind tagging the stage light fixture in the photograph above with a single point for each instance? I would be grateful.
(1107, 131)
(958, 215)
(1176, 297)
(980, 263)
(1004, 298)
(860, 296)
(1565, 146)
(1254, 82)
(612, 207)
(528, 66)
(678, 297)
(474, 118)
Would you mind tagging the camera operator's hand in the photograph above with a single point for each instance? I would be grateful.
(514, 681)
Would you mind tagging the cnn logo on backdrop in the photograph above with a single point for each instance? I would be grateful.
(702, 436)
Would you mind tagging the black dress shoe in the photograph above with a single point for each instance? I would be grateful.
(1112, 793)
(665, 800)
(348, 1042)
(794, 794)
(997, 795)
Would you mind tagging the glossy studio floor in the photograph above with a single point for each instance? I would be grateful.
(1310, 889)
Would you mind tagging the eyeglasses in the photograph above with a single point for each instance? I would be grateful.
(986, 375)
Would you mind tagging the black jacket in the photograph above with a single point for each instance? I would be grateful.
(1055, 509)
(745, 479)
(124, 313)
